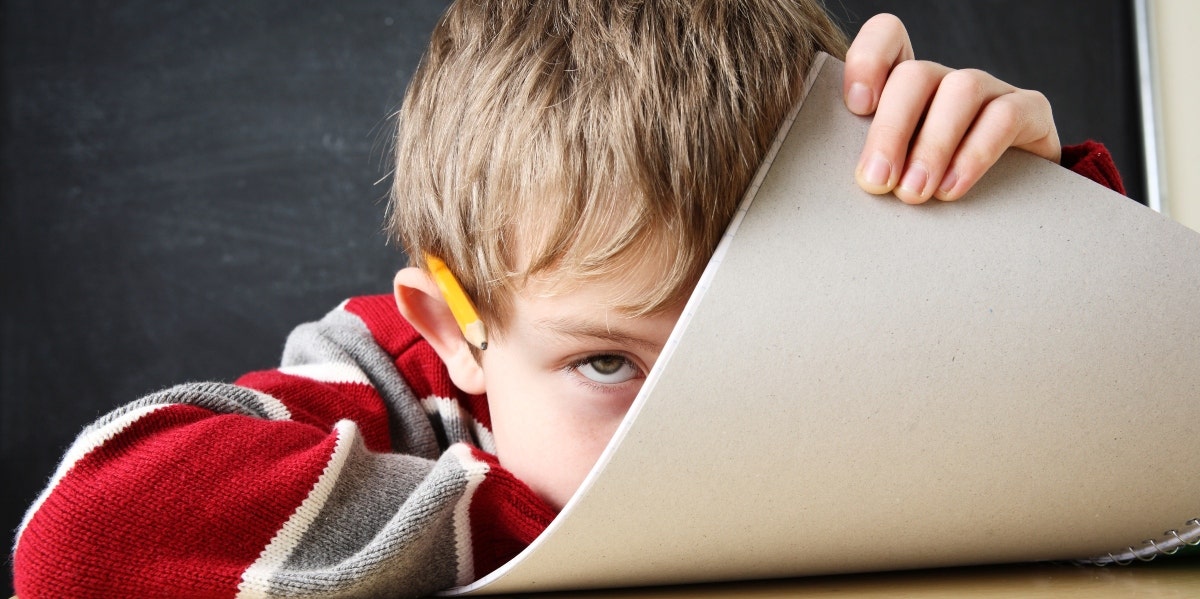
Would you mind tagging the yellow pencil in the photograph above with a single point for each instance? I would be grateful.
(460, 305)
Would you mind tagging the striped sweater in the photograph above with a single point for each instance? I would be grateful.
(356, 469)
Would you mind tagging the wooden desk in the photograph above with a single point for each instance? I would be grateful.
(1161, 578)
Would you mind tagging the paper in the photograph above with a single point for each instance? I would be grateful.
(866, 385)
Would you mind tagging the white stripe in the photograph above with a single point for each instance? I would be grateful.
(87, 442)
(443, 407)
(474, 471)
(486, 441)
(328, 372)
(273, 407)
(431, 405)
(451, 413)
(256, 580)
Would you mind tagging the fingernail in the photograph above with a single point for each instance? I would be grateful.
(914, 179)
(877, 171)
(948, 182)
(859, 98)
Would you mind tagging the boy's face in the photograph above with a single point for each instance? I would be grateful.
(561, 377)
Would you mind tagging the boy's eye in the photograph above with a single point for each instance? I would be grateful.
(608, 369)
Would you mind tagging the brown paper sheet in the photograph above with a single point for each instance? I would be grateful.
(861, 385)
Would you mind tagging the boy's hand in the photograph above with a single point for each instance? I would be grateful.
(937, 130)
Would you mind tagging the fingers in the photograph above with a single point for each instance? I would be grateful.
(1017, 119)
(937, 131)
(957, 98)
(902, 106)
(881, 44)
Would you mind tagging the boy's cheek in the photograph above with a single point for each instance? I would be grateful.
(555, 473)
(548, 445)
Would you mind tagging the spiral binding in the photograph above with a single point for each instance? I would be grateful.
(1168, 544)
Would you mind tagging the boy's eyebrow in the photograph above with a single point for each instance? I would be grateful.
(582, 329)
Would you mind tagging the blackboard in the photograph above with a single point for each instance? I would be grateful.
(183, 182)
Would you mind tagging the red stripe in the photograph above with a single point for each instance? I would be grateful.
(1092, 160)
(177, 505)
(506, 516)
(415, 359)
(383, 319)
(323, 404)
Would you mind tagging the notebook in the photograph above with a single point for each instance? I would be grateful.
(858, 385)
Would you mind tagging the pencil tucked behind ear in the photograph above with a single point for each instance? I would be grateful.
(421, 303)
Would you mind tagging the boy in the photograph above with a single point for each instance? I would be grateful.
(573, 164)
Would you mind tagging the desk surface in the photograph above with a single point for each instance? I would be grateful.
(1161, 578)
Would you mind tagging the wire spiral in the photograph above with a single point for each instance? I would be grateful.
(1169, 543)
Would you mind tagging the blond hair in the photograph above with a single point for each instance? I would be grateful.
(577, 138)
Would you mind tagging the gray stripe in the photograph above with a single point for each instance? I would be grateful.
(386, 531)
(221, 398)
(453, 425)
(342, 337)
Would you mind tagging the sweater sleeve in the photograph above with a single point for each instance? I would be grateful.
(1092, 160)
(325, 477)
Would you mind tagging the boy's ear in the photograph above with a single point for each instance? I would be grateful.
(422, 304)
